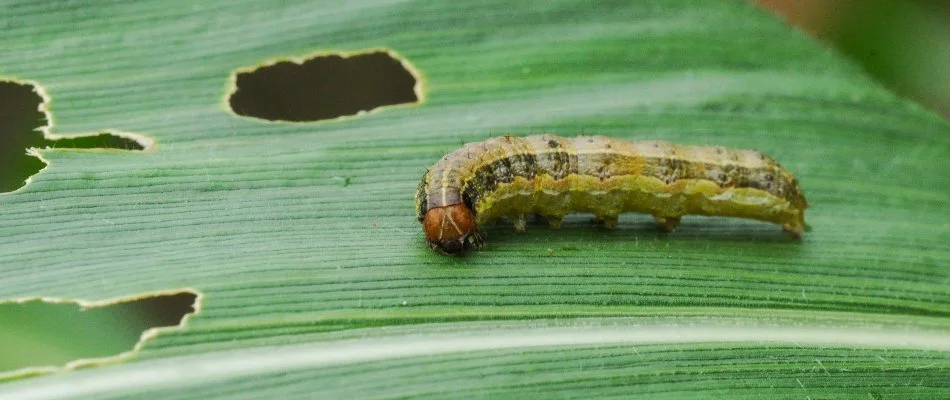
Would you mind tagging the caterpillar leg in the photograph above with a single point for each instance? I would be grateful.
(520, 223)
(795, 229)
(796, 226)
(475, 240)
(554, 221)
(667, 224)
(609, 221)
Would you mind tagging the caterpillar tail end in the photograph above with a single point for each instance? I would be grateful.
(451, 229)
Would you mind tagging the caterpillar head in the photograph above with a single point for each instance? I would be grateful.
(451, 229)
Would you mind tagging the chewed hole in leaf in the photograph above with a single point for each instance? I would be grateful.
(100, 141)
(20, 123)
(325, 86)
(42, 334)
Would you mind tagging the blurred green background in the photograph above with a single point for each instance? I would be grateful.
(905, 44)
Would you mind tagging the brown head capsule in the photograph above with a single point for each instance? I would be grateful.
(451, 229)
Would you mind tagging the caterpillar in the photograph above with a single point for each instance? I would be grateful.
(553, 176)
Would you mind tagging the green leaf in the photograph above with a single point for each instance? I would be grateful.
(315, 287)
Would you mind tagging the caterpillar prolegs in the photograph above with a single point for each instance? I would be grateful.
(553, 176)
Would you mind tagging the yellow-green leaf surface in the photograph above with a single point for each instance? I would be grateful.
(311, 286)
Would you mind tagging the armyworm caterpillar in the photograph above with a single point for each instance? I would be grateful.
(553, 176)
